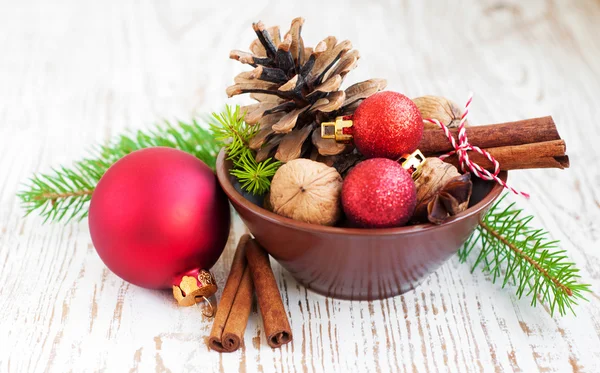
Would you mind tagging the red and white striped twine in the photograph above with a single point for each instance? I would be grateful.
(461, 150)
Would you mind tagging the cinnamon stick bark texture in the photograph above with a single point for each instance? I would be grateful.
(521, 132)
(549, 154)
(525, 144)
(275, 321)
(227, 334)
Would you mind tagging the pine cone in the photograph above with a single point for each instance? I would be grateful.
(297, 88)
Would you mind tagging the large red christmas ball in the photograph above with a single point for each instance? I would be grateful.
(379, 193)
(387, 125)
(157, 214)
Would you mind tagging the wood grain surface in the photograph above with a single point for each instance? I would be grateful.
(74, 73)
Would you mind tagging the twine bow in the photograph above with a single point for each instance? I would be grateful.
(462, 148)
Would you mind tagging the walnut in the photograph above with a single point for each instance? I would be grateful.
(307, 191)
(434, 175)
(441, 192)
(439, 108)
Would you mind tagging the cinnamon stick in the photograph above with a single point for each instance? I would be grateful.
(548, 154)
(521, 132)
(275, 321)
(227, 334)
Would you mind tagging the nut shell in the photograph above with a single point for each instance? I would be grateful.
(434, 175)
(440, 108)
(307, 191)
(442, 192)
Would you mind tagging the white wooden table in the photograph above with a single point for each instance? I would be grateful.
(74, 73)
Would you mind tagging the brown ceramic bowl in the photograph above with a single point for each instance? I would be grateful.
(353, 263)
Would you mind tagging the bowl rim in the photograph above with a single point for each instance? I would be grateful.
(236, 198)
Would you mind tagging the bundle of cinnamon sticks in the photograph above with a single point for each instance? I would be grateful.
(524, 144)
(250, 272)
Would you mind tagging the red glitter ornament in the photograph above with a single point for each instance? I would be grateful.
(378, 193)
(157, 218)
(387, 125)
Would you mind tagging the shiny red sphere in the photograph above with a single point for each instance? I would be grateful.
(378, 193)
(158, 213)
(387, 125)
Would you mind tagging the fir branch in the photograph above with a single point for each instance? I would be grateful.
(64, 194)
(231, 130)
(523, 256)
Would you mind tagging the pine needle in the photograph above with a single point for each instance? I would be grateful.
(517, 254)
(232, 131)
(64, 194)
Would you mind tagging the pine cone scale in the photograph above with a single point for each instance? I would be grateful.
(328, 146)
(288, 122)
(257, 111)
(332, 102)
(291, 145)
(297, 45)
(265, 39)
(261, 97)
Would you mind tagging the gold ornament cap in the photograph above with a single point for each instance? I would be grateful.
(413, 163)
(193, 287)
(340, 130)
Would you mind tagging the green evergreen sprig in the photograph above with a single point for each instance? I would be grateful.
(517, 254)
(232, 131)
(64, 193)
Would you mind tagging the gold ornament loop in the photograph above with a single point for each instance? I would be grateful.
(210, 304)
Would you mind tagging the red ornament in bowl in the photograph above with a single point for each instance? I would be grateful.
(379, 193)
(387, 125)
(157, 218)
